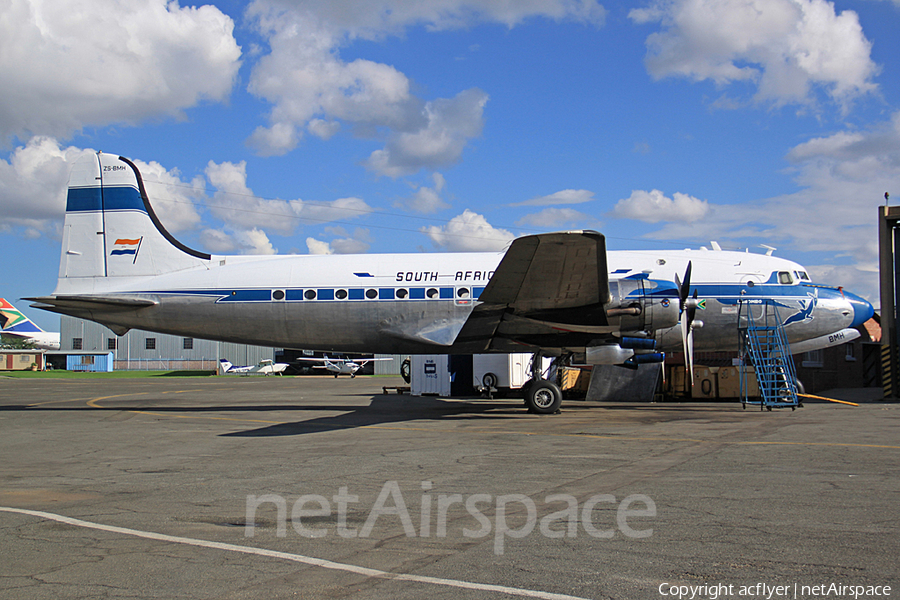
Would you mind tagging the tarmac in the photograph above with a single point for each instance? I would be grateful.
(315, 487)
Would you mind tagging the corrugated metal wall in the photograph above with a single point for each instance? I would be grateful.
(131, 351)
(389, 367)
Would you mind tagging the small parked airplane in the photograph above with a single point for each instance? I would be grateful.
(554, 294)
(16, 325)
(265, 367)
(341, 366)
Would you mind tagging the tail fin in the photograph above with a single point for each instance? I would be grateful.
(224, 365)
(112, 231)
(13, 321)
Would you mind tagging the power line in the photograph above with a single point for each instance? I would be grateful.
(371, 210)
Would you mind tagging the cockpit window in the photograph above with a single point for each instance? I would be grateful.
(801, 275)
(785, 278)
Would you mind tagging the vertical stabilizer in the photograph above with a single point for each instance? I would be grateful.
(111, 229)
(13, 321)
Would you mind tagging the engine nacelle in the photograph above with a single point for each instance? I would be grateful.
(630, 353)
(642, 304)
(612, 354)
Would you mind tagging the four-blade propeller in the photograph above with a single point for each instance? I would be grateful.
(687, 310)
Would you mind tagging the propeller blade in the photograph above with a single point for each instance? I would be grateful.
(689, 354)
(684, 288)
(688, 311)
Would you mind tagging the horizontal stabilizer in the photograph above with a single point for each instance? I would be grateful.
(89, 302)
(92, 308)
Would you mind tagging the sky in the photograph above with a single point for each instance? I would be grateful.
(365, 126)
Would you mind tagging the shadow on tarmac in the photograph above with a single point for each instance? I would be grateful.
(384, 410)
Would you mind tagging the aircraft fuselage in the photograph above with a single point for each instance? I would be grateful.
(417, 303)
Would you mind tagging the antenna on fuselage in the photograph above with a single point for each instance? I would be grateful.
(769, 249)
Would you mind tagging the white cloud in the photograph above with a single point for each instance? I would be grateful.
(560, 197)
(427, 200)
(556, 218)
(72, 63)
(358, 242)
(349, 246)
(236, 205)
(843, 178)
(323, 129)
(370, 19)
(786, 47)
(241, 241)
(217, 241)
(449, 124)
(318, 247)
(654, 206)
(312, 88)
(173, 200)
(33, 186)
(468, 232)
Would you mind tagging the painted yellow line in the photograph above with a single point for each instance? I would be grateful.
(33, 404)
(828, 399)
(93, 403)
(153, 414)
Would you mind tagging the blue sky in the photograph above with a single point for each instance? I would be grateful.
(453, 125)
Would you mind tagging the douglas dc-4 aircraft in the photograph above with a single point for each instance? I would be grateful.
(555, 294)
(17, 326)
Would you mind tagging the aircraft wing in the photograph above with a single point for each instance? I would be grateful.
(549, 290)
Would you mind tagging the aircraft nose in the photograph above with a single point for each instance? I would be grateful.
(862, 309)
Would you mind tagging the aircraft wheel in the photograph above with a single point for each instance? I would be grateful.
(543, 397)
(524, 391)
(489, 380)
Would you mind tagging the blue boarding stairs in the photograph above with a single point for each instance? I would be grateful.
(764, 349)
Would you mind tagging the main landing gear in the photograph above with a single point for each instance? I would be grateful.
(542, 396)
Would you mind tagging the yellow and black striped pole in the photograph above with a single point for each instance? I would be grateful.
(888, 253)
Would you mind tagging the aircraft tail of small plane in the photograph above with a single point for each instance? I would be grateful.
(12, 321)
(112, 231)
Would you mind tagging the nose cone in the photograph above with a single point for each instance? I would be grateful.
(862, 309)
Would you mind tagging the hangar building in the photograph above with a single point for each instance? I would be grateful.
(142, 350)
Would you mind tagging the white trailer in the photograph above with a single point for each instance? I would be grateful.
(502, 372)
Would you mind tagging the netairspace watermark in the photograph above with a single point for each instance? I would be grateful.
(435, 511)
(714, 591)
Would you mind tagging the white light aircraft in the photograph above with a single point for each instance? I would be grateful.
(341, 366)
(265, 367)
(17, 326)
(555, 294)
